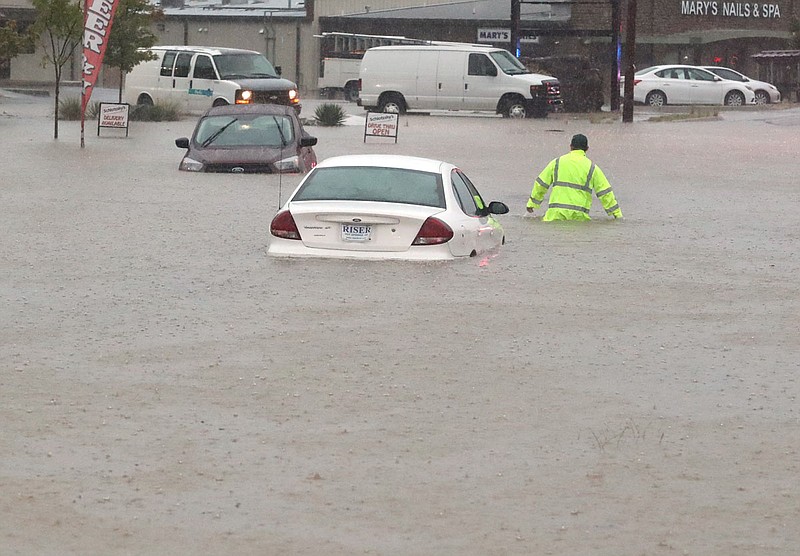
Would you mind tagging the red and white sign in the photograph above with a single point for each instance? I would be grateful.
(98, 17)
(381, 124)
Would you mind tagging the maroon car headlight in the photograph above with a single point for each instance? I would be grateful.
(291, 164)
(191, 165)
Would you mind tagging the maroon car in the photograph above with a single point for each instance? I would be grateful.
(249, 138)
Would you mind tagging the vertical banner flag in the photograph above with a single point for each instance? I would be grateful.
(99, 14)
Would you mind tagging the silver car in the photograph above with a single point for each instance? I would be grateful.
(766, 93)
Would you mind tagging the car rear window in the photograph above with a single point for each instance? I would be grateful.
(387, 185)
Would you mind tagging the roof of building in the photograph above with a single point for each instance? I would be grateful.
(478, 10)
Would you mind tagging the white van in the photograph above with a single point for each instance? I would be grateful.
(197, 78)
(453, 76)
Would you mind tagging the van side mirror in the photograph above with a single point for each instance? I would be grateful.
(182, 143)
(278, 70)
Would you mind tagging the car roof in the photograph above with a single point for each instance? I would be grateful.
(385, 161)
(268, 109)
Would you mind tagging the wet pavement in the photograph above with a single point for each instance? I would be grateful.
(606, 388)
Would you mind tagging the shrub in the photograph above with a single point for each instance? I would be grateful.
(159, 112)
(70, 109)
(329, 114)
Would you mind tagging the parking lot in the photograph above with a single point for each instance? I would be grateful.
(607, 388)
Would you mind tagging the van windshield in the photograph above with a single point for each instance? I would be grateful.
(245, 65)
(507, 63)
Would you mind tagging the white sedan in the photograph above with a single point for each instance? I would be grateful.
(766, 93)
(386, 207)
(679, 84)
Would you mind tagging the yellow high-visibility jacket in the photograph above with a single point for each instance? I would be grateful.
(573, 178)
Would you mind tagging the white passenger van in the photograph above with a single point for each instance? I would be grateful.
(198, 78)
(453, 76)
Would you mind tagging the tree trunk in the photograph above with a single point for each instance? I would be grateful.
(58, 90)
(121, 75)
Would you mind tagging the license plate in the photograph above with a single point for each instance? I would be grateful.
(356, 232)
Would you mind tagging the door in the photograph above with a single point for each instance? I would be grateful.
(476, 232)
(705, 88)
(163, 90)
(180, 79)
(450, 80)
(426, 82)
(676, 85)
(480, 83)
(202, 84)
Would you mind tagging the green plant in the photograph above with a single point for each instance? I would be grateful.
(167, 111)
(329, 114)
(69, 109)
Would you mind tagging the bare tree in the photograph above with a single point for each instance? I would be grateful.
(59, 26)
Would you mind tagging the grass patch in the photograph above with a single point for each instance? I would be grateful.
(694, 113)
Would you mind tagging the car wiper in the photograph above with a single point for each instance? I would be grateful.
(213, 137)
(269, 75)
(280, 131)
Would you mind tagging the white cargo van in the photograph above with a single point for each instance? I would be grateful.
(197, 78)
(454, 76)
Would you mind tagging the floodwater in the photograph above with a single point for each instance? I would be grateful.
(604, 388)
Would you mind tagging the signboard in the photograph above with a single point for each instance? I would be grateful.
(113, 114)
(379, 124)
(494, 35)
(504, 35)
(750, 10)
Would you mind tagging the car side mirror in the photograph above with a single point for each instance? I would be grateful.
(278, 69)
(308, 141)
(717, 78)
(182, 142)
(496, 207)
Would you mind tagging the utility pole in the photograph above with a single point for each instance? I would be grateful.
(515, 16)
(616, 23)
(630, 58)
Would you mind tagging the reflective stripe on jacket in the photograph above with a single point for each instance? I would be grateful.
(573, 178)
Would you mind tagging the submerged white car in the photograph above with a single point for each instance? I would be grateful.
(766, 93)
(386, 207)
(680, 84)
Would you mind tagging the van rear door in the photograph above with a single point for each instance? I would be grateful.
(180, 79)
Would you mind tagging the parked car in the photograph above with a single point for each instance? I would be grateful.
(766, 93)
(249, 138)
(386, 207)
(680, 84)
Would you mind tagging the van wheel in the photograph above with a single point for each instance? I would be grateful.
(351, 92)
(144, 100)
(392, 103)
(220, 102)
(515, 108)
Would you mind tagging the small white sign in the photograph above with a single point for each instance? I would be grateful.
(380, 124)
(113, 115)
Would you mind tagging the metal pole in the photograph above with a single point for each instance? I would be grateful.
(630, 57)
(515, 15)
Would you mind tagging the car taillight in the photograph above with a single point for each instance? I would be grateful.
(433, 232)
(283, 226)
(359, 84)
(636, 82)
